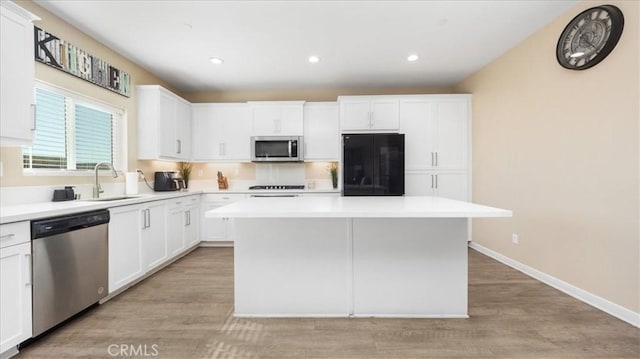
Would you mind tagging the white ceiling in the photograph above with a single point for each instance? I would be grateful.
(266, 44)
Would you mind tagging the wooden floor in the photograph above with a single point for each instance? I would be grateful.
(185, 310)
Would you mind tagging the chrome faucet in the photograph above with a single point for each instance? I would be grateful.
(97, 189)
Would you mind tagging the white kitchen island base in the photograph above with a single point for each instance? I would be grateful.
(401, 267)
(362, 257)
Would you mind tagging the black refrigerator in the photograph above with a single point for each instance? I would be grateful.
(373, 164)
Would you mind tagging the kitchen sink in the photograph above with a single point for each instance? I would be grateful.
(111, 198)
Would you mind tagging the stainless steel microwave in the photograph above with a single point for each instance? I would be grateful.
(276, 149)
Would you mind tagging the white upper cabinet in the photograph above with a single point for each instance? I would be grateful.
(221, 132)
(321, 131)
(17, 104)
(369, 113)
(164, 124)
(277, 118)
(436, 129)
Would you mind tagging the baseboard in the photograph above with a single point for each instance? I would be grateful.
(593, 300)
(216, 244)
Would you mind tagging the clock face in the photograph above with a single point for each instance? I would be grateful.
(590, 37)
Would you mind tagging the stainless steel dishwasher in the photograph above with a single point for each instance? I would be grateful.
(70, 266)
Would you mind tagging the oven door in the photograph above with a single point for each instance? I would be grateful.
(276, 149)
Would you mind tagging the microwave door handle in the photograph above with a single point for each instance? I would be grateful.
(290, 148)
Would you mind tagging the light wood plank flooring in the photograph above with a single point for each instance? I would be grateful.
(186, 310)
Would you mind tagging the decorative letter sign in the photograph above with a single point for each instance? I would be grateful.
(52, 51)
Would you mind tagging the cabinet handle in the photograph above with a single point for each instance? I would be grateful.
(149, 217)
(144, 218)
(33, 117)
(27, 257)
(432, 181)
(436, 181)
(189, 212)
(372, 120)
(179, 146)
(436, 160)
(433, 162)
(7, 236)
(186, 218)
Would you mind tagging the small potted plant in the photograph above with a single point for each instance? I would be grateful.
(333, 170)
(185, 171)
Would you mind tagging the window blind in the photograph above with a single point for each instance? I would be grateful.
(72, 134)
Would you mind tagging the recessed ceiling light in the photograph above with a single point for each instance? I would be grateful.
(314, 59)
(412, 57)
(217, 60)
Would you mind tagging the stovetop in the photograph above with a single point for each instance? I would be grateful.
(274, 186)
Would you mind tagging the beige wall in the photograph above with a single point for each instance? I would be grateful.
(561, 149)
(10, 156)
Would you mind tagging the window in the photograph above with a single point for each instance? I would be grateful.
(73, 133)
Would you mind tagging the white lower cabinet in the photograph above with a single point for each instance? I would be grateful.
(175, 228)
(125, 246)
(218, 229)
(15, 294)
(182, 224)
(192, 225)
(448, 184)
(154, 234)
(15, 285)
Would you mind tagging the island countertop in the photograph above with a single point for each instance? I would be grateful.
(355, 207)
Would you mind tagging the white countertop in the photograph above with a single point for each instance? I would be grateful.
(355, 207)
(30, 211)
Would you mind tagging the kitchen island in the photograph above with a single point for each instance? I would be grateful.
(352, 256)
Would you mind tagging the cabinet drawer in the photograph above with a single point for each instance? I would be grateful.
(14, 233)
(225, 198)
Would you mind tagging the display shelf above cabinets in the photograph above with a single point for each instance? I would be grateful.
(164, 124)
(221, 132)
(17, 104)
(369, 113)
(276, 118)
(321, 131)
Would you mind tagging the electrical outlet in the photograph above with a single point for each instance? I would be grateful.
(1, 170)
(514, 238)
(200, 173)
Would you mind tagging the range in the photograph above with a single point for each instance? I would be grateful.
(283, 187)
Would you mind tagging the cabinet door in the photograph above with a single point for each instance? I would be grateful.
(183, 129)
(385, 114)
(175, 230)
(416, 122)
(237, 144)
(266, 121)
(452, 134)
(214, 229)
(167, 126)
(154, 236)
(419, 184)
(16, 78)
(15, 295)
(192, 226)
(208, 132)
(321, 131)
(454, 185)
(290, 121)
(355, 115)
(125, 246)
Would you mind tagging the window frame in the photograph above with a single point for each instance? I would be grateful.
(119, 136)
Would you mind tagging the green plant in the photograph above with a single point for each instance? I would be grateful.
(185, 171)
(333, 170)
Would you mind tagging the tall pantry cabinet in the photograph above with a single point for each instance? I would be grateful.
(437, 145)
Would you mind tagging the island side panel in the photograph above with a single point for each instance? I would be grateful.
(410, 267)
(292, 267)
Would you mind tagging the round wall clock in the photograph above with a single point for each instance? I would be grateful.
(590, 37)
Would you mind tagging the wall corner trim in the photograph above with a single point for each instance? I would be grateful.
(593, 300)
